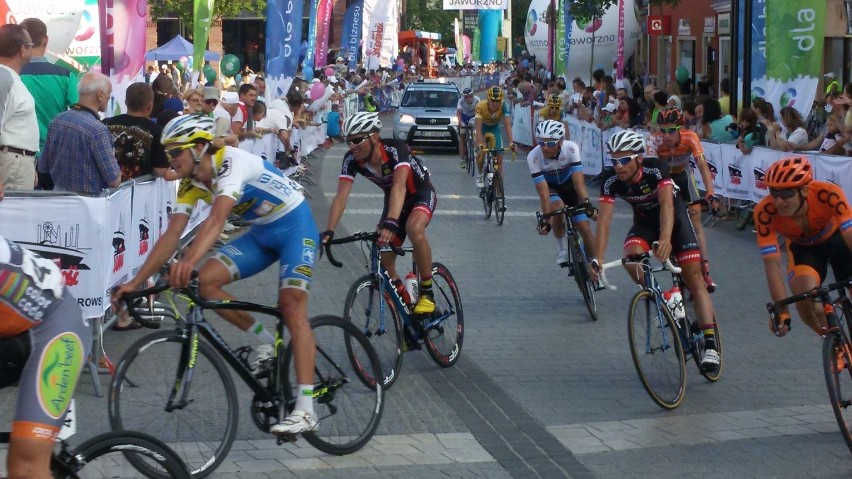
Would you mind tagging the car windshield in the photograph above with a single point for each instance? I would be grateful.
(430, 99)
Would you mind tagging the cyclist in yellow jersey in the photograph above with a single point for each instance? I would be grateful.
(552, 110)
(489, 112)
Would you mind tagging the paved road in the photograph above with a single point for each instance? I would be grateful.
(541, 390)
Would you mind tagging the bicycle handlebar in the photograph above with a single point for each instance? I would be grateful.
(130, 299)
(775, 308)
(371, 237)
(583, 208)
(633, 259)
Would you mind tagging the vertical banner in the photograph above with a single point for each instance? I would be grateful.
(107, 33)
(458, 40)
(202, 18)
(619, 55)
(6, 15)
(323, 21)
(129, 28)
(308, 61)
(283, 40)
(795, 33)
(351, 40)
(559, 43)
(489, 23)
(381, 33)
(474, 45)
(552, 24)
(568, 21)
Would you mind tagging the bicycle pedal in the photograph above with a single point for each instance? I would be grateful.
(502, 209)
(285, 438)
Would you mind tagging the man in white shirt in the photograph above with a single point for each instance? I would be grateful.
(19, 140)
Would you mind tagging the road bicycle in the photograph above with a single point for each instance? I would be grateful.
(176, 385)
(578, 263)
(836, 347)
(659, 344)
(105, 455)
(375, 306)
(493, 195)
(470, 148)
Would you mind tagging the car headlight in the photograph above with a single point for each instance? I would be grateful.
(454, 121)
(406, 119)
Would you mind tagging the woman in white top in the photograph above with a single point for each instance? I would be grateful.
(794, 135)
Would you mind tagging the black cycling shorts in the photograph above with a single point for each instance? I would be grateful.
(814, 259)
(424, 200)
(687, 186)
(684, 242)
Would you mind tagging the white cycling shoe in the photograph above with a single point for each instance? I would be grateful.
(297, 422)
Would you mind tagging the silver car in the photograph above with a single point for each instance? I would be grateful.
(427, 115)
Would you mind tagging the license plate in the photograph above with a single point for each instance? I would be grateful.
(434, 133)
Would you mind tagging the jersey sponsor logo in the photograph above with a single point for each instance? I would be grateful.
(284, 185)
(309, 242)
(240, 209)
(768, 250)
(296, 283)
(224, 169)
(59, 367)
(264, 208)
(845, 225)
(185, 186)
(308, 255)
(231, 250)
(304, 270)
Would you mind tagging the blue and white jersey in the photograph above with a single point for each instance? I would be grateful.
(555, 171)
(262, 192)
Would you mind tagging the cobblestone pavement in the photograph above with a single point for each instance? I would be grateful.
(540, 389)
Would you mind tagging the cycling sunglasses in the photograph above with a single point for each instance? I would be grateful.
(784, 194)
(175, 152)
(623, 161)
(357, 141)
(673, 129)
(549, 144)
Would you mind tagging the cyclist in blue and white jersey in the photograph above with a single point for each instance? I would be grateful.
(557, 173)
(234, 181)
(465, 111)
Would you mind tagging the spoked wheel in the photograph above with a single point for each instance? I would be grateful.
(837, 363)
(584, 280)
(199, 422)
(499, 197)
(656, 350)
(106, 455)
(372, 312)
(348, 410)
(471, 155)
(487, 194)
(444, 332)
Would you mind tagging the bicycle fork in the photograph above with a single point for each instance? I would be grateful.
(186, 369)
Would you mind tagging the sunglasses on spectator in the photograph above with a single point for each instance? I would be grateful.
(784, 194)
(357, 141)
(673, 129)
(212, 101)
(549, 143)
(623, 160)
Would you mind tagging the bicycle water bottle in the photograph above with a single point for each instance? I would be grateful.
(411, 286)
(401, 290)
(674, 301)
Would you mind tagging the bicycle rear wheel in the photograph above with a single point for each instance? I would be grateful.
(837, 364)
(444, 332)
(106, 455)
(348, 410)
(375, 315)
(201, 429)
(583, 279)
(471, 154)
(656, 350)
(499, 197)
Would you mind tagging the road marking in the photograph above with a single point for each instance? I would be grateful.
(441, 196)
(691, 429)
(442, 212)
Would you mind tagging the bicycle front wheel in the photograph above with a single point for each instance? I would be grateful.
(471, 155)
(499, 198)
(656, 350)
(348, 410)
(444, 332)
(199, 422)
(837, 364)
(583, 279)
(374, 314)
(106, 455)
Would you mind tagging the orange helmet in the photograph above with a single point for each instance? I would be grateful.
(670, 115)
(792, 172)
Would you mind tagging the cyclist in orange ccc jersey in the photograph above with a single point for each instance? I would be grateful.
(816, 220)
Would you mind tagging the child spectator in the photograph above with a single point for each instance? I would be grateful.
(333, 124)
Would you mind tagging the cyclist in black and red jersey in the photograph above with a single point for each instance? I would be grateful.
(48, 345)
(659, 216)
(410, 198)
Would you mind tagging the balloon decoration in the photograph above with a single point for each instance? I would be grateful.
(179, 66)
(238, 79)
(209, 73)
(681, 74)
(317, 90)
(329, 71)
(184, 62)
(230, 65)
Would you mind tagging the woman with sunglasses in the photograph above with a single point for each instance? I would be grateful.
(557, 173)
(816, 219)
(659, 215)
(409, 197)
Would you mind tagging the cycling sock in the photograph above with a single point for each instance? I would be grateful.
(305, 398)
(560, 241)
(426, 286)
(709, 339)
(261, 332)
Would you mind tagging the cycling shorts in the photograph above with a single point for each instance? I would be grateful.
(59, 348)
(425, 200)
(686, 185)
(494, 130)
(566, 192)
(684, 242)
(465, 119)
(291, 239)
(813, 260)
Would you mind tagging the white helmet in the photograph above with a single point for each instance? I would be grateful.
(362, 122)
(627, 140)
(186, 130)
(550, 129)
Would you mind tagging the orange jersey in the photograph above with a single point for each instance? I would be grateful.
(828, 210)
(679, 156)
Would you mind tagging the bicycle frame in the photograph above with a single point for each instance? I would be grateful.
(651, 284)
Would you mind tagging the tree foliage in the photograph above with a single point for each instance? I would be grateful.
(183, 9)
(427, 15)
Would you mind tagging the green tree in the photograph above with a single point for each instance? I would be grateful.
(429, 16)
(183, 9)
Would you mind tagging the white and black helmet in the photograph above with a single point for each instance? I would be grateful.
(550, 129)
(362, 122)
(627, 140)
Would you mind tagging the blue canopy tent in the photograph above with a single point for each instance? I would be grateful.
(176, 48)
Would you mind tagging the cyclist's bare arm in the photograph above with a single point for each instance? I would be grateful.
(543, 196)
(397, 192)
(775, 279)
(338, 204)
(210, 229)
(478, 128)
(602, 230)
(706, 176)
(507, 122)
(665, 196)
(580, 185)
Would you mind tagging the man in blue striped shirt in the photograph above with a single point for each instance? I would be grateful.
(78, 152)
